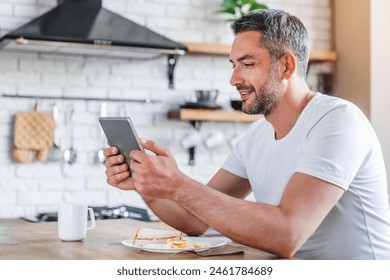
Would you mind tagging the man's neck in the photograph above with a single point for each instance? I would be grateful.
(284, 117)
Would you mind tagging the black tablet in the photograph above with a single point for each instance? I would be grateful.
(121, 133)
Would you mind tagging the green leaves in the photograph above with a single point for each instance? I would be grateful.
(238, 8)
(227, 6)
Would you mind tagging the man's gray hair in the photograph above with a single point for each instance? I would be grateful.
(281, 33)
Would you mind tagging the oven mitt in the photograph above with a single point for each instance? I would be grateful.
(33, 134)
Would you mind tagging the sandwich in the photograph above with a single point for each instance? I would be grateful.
(163, 238)
(156, 234)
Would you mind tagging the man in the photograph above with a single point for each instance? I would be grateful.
(313, 163)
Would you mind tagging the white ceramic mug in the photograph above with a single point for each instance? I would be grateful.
(215, 139)
(73, 221)
(191, 139)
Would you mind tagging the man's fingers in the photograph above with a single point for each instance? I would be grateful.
(116, 169)
(114, 160)
(134, 164)
(119, 180)
(126, 184)
(110, 151)
(155, 148)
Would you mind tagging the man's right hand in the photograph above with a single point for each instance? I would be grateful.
(117, 171)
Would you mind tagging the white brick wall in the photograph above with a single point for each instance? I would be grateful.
(5, 9)
(33, 187)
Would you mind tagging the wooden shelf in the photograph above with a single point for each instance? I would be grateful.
(322, 56)
(212, 115)
(219, 49)
(212, 49)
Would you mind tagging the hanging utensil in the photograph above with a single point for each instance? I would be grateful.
(70, 155)
(55, 153)
(100, 157)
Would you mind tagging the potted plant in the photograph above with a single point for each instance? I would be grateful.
(238, 8)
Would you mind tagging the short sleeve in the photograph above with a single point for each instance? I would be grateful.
(336, 146)
(235, 163)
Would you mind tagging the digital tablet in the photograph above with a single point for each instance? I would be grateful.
(121, 133)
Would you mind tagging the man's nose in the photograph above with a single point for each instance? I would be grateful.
(236, 79)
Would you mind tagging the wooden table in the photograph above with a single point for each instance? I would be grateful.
(22, 240)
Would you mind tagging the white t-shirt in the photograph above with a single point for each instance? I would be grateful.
(331, 140)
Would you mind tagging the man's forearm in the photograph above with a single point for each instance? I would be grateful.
(280, 229)
(253, 224)
(176, 216)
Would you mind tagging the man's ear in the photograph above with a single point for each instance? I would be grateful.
(288, 64)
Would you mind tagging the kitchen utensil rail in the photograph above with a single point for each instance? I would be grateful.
(144, 100)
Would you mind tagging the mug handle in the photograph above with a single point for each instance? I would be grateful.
(92, 215)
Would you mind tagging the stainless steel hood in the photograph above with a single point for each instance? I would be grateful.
(84, 27)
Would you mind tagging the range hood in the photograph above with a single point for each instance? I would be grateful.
(84, 27)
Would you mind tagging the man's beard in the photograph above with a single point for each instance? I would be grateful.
(267, 96)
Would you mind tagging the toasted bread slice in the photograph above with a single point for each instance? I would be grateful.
(154, 234)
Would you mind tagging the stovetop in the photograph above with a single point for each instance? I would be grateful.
(101, 213)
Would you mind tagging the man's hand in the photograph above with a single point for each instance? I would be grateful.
(117, 171)
(155, 175)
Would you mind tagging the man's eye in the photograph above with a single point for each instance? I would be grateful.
(233, 66)
(247, 65)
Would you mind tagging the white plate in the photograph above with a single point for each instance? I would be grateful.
(204, 243)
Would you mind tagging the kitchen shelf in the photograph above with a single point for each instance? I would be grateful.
(322, 56)
(212, 49)
(220, 49)
(212, 115)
